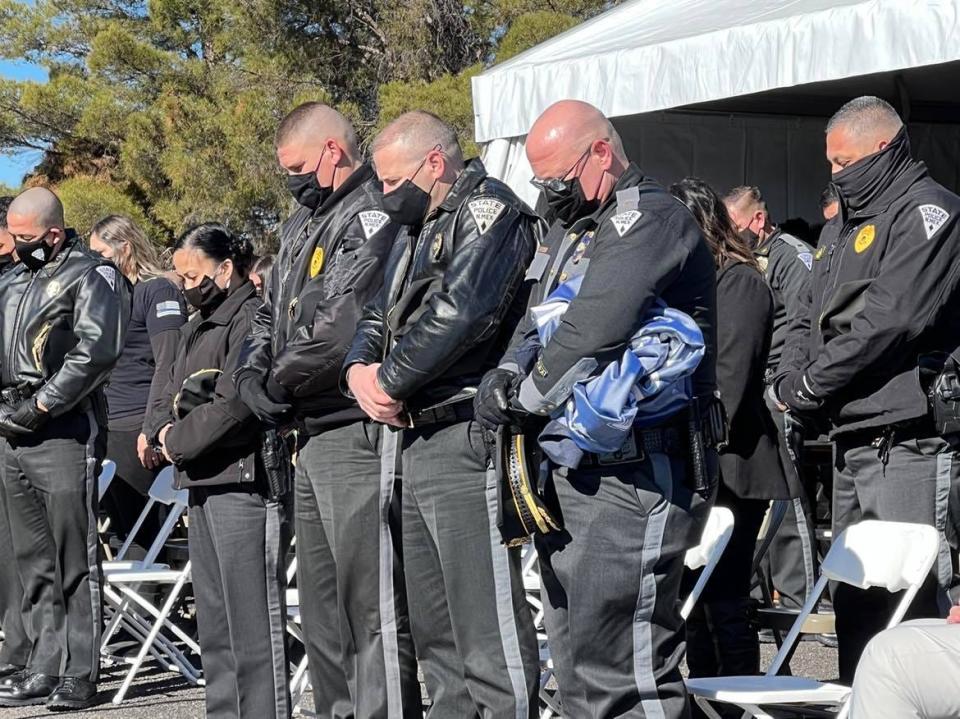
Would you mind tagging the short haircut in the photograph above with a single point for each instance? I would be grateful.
(419, 131)
(747, 197)
(300, 119)
(4, 206)
(866, 115)
(828, 196)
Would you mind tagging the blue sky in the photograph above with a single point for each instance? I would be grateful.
(14, 167)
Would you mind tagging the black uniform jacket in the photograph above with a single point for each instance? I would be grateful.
(330, 265)
(63, 325)
(885, 293)
(449, 301)
(786, 262)
(750, 464)
(640, 245)
(216, 442)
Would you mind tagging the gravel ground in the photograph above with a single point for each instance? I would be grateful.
(162, 695)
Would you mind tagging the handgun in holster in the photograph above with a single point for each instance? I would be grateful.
(524, 497)
(944, 398)
(276, 453)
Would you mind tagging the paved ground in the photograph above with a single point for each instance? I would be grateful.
(161, 695)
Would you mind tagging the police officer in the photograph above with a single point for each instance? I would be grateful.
(442, 320)
(885, 290)
(332, 254)
(63, 324)
(16, 646)
(612, 583)
(786, 262)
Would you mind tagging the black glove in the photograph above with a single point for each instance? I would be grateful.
(257, 396)
(27, 418)
(491, 406)
(795, 392)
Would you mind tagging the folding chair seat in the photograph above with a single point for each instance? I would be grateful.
(895, 556)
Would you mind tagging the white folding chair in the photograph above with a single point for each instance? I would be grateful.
(127, 607)
(108, 470)
(716, 536)
(895, 556)
(300, 677)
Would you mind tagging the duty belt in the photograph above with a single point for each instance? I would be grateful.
(640, 443)
(444, 414)
(16, 395)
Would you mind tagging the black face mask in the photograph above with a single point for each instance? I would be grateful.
(863, 182)
(206, 296)
(750, 237)
(306, 188)
(35, 253)
(407, 205)
(570, 204)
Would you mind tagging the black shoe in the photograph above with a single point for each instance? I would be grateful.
(33, 689)
(10, 679)
(8, 669)
(73, 693)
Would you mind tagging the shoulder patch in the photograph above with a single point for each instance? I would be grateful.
(485, 212)
(625, 220)
(168, 308)
(109, 274)
(933, 218)
(372, 221)
(807, 259)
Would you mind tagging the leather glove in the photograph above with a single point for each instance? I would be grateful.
(257, 396)
(794, 391)
(27, 418)
(491, 406)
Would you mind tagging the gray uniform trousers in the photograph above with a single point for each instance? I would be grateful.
(910, 672)
(16, 644)
(236, 549)
(471, 622)
(49, 482)
(912, 485)
(612, 613)
(350, 576)
(792, 556)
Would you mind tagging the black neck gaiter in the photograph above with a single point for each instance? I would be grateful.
(863, 182)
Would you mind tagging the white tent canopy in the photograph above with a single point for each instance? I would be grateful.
(646, 56)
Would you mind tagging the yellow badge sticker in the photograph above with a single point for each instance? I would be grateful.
(316, 262)
(864, 239)
(820, 253)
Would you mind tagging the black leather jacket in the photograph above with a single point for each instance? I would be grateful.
(330, 265)
(450, 296)
(63, 326)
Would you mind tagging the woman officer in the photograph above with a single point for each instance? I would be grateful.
(213, 441)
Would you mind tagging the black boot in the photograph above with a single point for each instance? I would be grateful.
(32, 689)
(73, 693)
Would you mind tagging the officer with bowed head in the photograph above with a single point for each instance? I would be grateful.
(65, 312)
(349, 573)
(448, 306)
(885, 285)
(612, 579)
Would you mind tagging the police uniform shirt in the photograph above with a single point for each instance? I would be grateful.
(640, 245)
(158, 307)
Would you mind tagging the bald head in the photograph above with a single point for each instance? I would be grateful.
(860, 128)
(38, 207)
(414, 134)
(564, 132)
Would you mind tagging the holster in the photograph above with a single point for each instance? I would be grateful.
(706, 430)
(276, 453)
(522, 500)
(944, 398)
